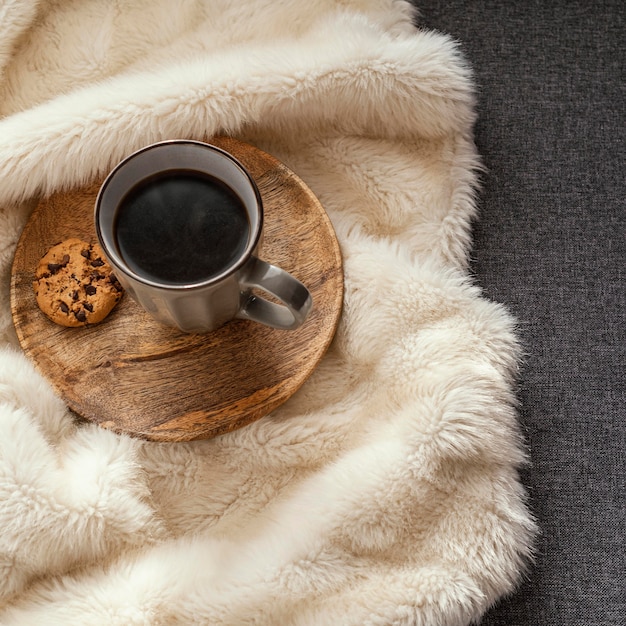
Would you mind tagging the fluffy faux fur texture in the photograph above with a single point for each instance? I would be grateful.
(385, 491)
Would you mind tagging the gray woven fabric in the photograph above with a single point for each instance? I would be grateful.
(551, 245)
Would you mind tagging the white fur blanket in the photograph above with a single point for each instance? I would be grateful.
(385, 491)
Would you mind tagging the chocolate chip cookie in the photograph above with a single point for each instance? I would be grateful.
(74, 284)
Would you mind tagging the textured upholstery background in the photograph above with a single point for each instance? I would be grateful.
(550, 244)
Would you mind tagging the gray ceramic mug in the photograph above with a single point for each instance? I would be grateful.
(193, 208)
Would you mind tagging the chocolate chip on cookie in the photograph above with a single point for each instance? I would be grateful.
(68, 289)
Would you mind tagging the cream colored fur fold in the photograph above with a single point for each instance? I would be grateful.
(385, 491)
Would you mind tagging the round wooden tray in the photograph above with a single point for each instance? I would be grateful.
(132, 375)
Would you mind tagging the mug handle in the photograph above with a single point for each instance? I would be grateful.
(280, 284)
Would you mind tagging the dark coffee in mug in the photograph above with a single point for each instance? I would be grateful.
(181, 223)
(181, 227)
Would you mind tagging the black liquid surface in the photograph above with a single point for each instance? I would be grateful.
(181, 227)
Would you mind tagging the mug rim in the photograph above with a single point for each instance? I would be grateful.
(120, 264)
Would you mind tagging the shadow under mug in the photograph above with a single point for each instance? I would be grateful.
(206, 302)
